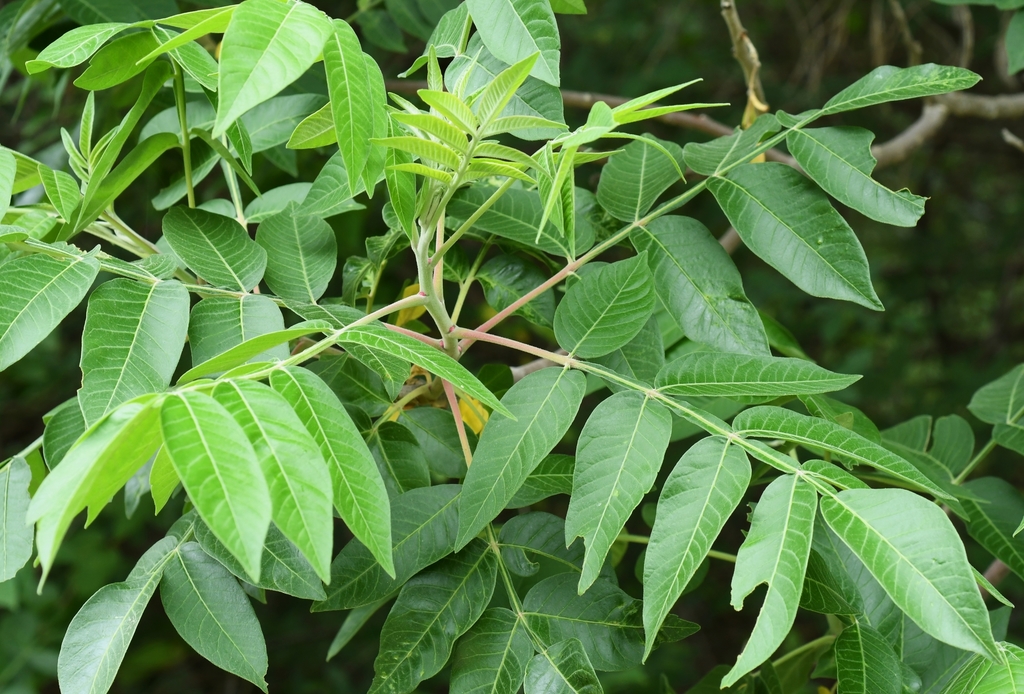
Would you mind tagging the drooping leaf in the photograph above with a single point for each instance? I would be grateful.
(74, 47)
(302, 254)
(219, 469)
(635, 177)
(39, 291)
(913, 551)
(492, 657)
(132, 341)
(431, 612)
(267, 46)
(774, 552)
(516, 29)
(783, 218)
(15, 532)
(211, 612)
(424, 524)
(64, 424)
(562, 668)
(606, 308)
(699, 495)
(359, 492)
(219, 323)
(866, 663)
(544, 405)
(216, 247)
(889, 83)
(618, 456)
(699, 284)
(731, 375)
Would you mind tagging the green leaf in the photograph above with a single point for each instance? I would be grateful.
(211, 612)
(732, 375)
(355, 385)
(887, 83)
(1014, 42)
(699, 284)
(61, 189)
(562, 668)
(221, 473)
(783, 218)
(618, 456)
(74, 47)
(283, 568)
(316, 130)
(330, 194)
(431, 612)
(348, 83)
(553, 475)
(542, 407)
(776, 422)
(697, 499)
(825, 593)
(433, 360)
(606, 620)
(245, 351)
(840, 161)
(217, 248)
(606, 308)
(516, 29)
(1002, 400)
(640, 359)
(843, 414)
(424, 523)
(634, 178)
(296, 473)
(359, 492)
(913, 551)
(98, 636)
(980, 676)
(15, 533)
(993, 518)
(438, 437)
(275, 201)
(219, 323)
(866, 663)
(492, 657)
(118, 61)
(39, 291)
(267, 46)
(64, 424)
(354, 622)
(709, 158)
(92, 471)
(506, 278)
(271, 123)
(399, 458)
(302, 254)
(132, 341)
(538, 536)
(775, 552)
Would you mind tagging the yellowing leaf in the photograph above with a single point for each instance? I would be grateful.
(474, 414)
(410, 314)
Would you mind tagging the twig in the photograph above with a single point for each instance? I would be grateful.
(933, 117)
(746, 55)
(994, 574)
(982, 106)
(1012, 140)
(963, 17)
(914, 50)
(460, 426)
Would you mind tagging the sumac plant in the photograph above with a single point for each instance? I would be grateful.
(296, 408)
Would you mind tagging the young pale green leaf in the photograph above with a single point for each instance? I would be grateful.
(245, 351)
(283, 567)
(118, 61)
(506, 278)
(774, 552)
(993, 517)
(699, 495)
(61, 189)
(355, 620)
(216, 247)
(424, 523)
(399, 458)
(39, 291)
(429, 124)
(348, 84)
(776, 422)
(709, 158)
(219, 323)
(606, 620)
(541, 407)
(887, 83)
(433, 360)
(64, 424)
(635, 177)
(296, 473)
(74, 47)
(492, 657)
(219, 469)
(431, 612)
(211, 612)
(438, 437)
(15, 533)
(302, 254)
(562, 668)
(618, 456)
(267, 46)
(731, 375)
(552, 476)
(787, 221)
(132, 341)
(530, 538)
(98, 636)
(215, 22)
(698, 282)
(912, 549)
(270, 124)
(359, 492)
(840, 161)
(981, 676)
(1002, 400)
(606, 308)
(866, 663)
(316, 130)
(516, 29)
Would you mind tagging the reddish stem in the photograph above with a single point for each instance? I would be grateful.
(460, 426)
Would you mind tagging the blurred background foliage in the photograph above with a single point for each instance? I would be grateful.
(953, 289)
